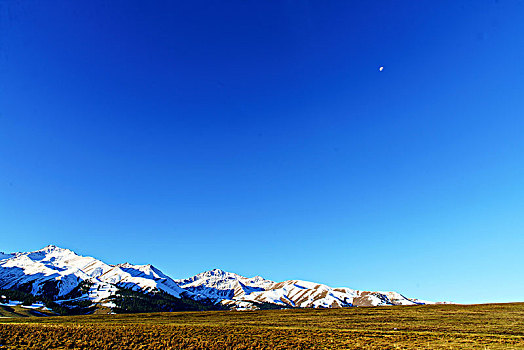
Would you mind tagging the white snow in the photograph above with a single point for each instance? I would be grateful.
(235, 290)
(36, 306)
(68, 269)
(54, 264)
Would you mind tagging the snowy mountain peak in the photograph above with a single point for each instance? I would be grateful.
(61, 274)
(219, 272)
(65, 270)
(146, 270)
(53, 248)
(238, 291)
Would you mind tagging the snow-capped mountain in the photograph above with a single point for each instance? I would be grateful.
(238, 291)
(58, 271)
(221, 285)
(61, 274)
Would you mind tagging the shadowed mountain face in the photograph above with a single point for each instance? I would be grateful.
(61, 274)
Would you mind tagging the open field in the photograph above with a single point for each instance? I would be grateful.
(490, 326)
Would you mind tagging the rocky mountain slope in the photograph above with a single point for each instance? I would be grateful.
(63, 276)
(241, 292)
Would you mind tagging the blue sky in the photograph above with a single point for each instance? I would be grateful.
(260, 137)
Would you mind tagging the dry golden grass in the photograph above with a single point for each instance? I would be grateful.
(495, 326)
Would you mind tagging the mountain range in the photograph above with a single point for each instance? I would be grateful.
(68, 280)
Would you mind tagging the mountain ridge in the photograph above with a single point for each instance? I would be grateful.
(65, 277)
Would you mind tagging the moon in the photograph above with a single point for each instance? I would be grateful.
(380, 69)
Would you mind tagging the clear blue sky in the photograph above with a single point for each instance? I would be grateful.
(260, 137)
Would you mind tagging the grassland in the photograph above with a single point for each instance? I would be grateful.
(493, 326)
(20, 311)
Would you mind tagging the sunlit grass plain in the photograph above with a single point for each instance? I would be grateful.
(487, 326)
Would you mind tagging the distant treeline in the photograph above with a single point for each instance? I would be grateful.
(130, 301)
(125, 300)
(70, 307)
